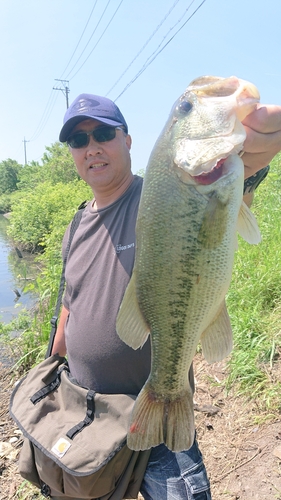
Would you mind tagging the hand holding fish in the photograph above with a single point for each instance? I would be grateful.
(263, 141)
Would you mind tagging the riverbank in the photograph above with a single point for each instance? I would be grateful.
(241, 443)
(17, 269)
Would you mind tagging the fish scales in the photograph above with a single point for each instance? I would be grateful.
(165, 288)
(185, 243)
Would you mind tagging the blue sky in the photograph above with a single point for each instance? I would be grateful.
(39, 37)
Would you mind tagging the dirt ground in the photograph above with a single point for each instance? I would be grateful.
(242, 455)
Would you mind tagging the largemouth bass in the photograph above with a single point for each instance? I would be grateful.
(190, 210)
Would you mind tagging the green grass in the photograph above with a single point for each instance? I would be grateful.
(254, 301)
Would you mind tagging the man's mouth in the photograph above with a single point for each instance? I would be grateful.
(212, 176)
(98, 165)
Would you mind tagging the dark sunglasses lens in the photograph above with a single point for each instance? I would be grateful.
(78, 140)
(104, 134)
(100, 134)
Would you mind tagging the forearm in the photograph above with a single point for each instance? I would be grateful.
(59, 341)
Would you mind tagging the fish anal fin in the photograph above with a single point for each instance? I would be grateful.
(247, 225)
(156, 420)
(130, 324)
(217, 340)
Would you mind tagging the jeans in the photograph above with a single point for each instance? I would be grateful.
(175, 476)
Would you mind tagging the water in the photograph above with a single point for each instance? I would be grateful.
(15, 274)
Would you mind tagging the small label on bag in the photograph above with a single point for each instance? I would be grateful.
(61, 447)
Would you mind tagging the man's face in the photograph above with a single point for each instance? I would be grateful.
(105, 166)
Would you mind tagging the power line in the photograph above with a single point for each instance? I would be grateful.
(67, 76)
(143, 47)
(48, 111)
(79, 39)
(52, 98)
(42, 117)
(111, 19)
(153, 56)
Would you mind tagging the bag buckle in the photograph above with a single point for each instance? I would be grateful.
(54, 321)
(45, 490)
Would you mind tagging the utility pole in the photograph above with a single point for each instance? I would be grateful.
(24, 145)
(65, 89)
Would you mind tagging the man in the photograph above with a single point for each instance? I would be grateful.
(100, 263)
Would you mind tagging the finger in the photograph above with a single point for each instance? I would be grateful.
(265, 119)
(257, 142)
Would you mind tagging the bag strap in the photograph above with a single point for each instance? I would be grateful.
(89, 417)
(74, 225)
(47, 389)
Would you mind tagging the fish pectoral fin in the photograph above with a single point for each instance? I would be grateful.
(216, 340)
(130, 325)
(247, 225)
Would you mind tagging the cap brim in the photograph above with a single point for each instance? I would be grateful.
(72, 122)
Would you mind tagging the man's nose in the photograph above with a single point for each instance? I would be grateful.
(93, 147)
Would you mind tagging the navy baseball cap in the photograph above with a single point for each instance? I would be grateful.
(91, 106)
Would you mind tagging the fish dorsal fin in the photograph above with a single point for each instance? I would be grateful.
(130, 325)
(216, 340)
(247, 225)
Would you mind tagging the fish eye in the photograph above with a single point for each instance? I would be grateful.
(184, 107)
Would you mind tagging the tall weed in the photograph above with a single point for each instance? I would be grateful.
(254, 299)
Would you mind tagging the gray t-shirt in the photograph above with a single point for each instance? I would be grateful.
(98, 269)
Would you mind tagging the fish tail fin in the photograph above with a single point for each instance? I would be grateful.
(155, 421)
(180, 427)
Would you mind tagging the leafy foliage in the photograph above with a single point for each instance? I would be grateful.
(48, 194)
(5, 203)
(9, 170)
(29, 176)
(58, 165)
(45, 209)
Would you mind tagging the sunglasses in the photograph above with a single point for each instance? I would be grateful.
(100, 134)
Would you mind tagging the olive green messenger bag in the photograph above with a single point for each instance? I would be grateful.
(74, 438)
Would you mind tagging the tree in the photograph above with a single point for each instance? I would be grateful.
(29, 176)
(58, 164)
(45, 210)
(9, 171)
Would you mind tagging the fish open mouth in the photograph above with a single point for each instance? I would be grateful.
(212, 176)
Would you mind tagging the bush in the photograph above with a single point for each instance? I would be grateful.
(5, 203)
(46, 209)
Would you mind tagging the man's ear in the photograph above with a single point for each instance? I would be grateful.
(129, 141)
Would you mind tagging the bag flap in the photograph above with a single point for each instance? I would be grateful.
(47, 422)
